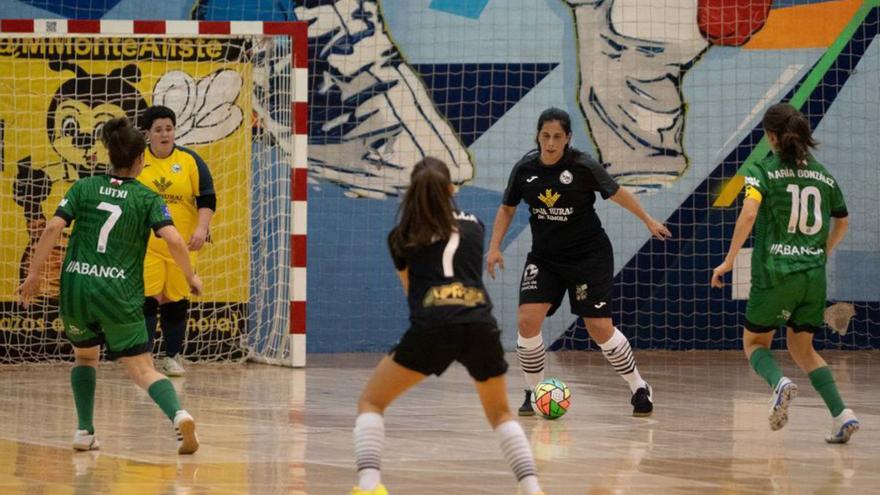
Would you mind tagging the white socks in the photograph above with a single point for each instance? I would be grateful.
(619, 353)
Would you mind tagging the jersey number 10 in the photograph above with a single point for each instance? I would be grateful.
(800, 215)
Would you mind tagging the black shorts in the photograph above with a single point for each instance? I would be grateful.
(431, 350)
(588, 281)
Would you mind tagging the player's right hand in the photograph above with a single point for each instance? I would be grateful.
(29, 288)
(494, 258)
(195, 285)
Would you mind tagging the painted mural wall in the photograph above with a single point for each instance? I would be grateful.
(668, 96)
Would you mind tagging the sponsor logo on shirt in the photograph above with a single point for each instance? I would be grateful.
(162, 184)
(166, 212)
(530, 179)
(565, 177)
(549, 197)
(789, 250)
(752, 181)
(83, 268)
(454, 294)
(74, 330)
(63, 203)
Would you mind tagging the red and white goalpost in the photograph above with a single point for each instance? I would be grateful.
(239, 89)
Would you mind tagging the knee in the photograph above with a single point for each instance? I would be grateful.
(529, 325)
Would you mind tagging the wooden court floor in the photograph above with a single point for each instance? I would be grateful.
(267, 430)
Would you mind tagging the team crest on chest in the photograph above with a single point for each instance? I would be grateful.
(176, 168)
(565, 177)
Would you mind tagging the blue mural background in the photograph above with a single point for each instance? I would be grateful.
(490, 67)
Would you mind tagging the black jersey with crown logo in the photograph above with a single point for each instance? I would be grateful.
(446, 278)
(560, 197)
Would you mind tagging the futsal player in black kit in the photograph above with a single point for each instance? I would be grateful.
(438, 253)
(570, 252)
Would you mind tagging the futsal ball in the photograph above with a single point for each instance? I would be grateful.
(552, 398)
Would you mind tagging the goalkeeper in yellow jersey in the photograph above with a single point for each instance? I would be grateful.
(184, 181)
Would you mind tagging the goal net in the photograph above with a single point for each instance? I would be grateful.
(235, 88)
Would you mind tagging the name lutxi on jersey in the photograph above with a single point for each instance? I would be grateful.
(789, 250)
(113, 192)
(91, 270)
(787, 173)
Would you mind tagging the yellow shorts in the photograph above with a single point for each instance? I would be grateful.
(163, 276)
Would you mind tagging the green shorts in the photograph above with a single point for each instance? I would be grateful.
(121, 339)
(798, 301)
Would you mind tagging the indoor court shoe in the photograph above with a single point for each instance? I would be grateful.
(83, 440)
(783, 394)
(526, 408)
(643, 402)
(171, 367)
(843, 427)
(379, 490)
(185, 428)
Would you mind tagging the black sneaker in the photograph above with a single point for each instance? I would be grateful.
(526, 408)
(643, 402)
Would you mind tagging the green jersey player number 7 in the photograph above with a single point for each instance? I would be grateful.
(102, 280)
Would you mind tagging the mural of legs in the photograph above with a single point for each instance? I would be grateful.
(632, 57)
(371, 116)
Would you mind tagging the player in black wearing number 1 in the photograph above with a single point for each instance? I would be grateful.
(570, 252)
(438, 253)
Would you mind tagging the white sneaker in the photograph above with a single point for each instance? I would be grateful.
(83, 440)
(171, 367)
(633, 56)
(843, 426)
(379, 119)
(783, 394)
(185, 428)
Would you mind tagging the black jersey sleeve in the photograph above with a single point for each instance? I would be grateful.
(599, 179)
(397, 255)
(513, 192)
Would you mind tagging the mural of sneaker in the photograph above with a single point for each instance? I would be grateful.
(632, 57)
(371, 118)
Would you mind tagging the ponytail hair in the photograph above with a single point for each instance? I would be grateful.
(124, 143)
(426, 213)
(793, 132)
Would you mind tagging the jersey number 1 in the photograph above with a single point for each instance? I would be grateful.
(115, 212)
(800, 215)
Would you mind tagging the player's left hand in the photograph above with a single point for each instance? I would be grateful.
(29, 288)
(658, 230)
(718, 274)
(198, 239)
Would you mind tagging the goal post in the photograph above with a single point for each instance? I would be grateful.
(239, 90)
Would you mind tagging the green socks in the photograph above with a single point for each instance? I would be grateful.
(162, 392)
(823, 381)
(763, 363)
(82, 381)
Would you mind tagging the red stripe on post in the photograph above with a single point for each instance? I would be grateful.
(299, 190)
(278, 28)
(149, 27)
(301, 45)
(300, 117)
(298, 246)
(214, 27)
(298, 317)
(17, 25)
(81, 26)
